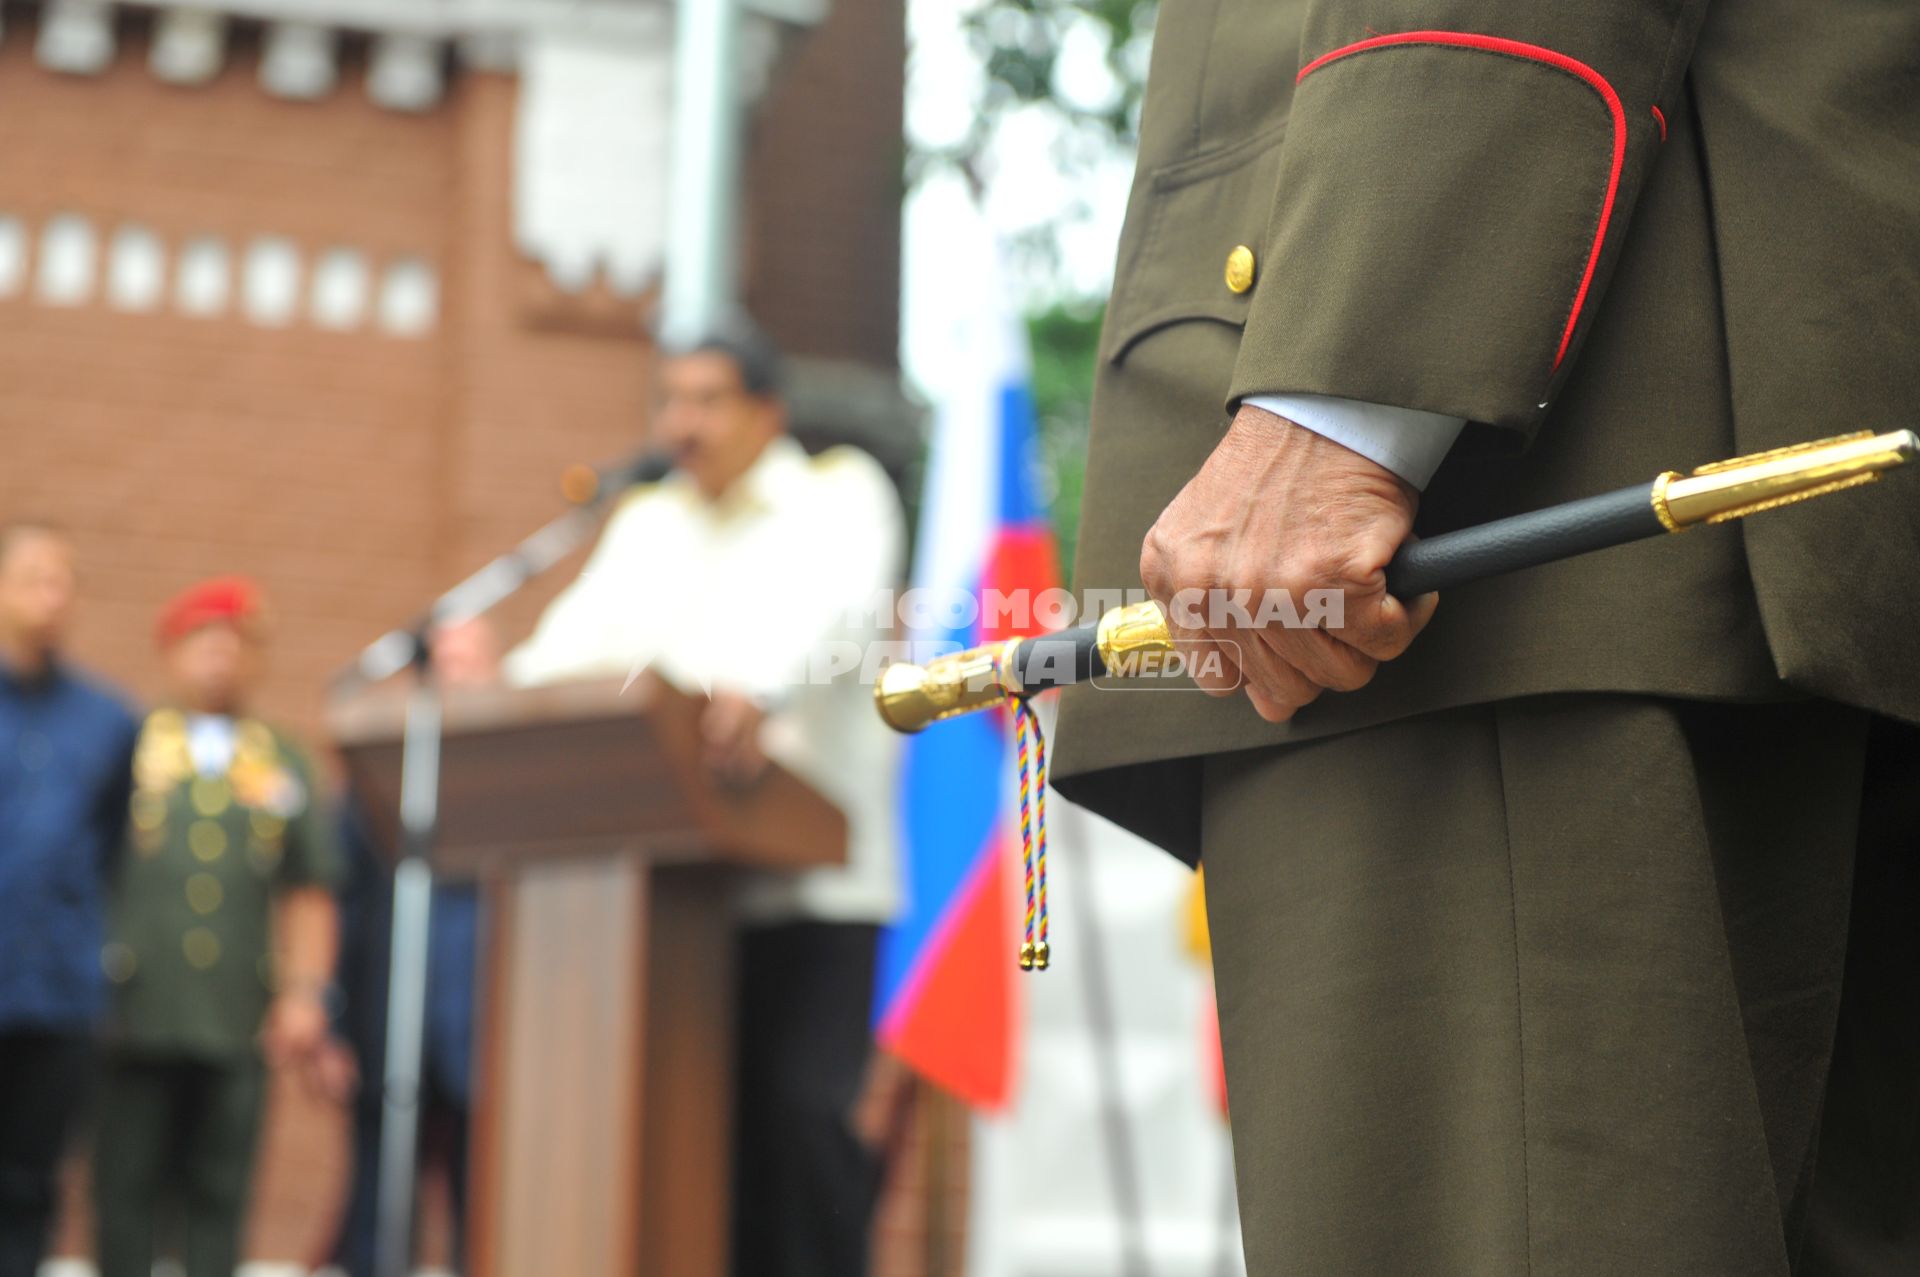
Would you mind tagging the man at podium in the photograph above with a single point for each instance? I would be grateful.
(747, 574)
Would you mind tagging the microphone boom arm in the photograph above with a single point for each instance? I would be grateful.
(487, 588)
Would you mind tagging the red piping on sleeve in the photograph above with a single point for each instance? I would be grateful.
(1547, 57)
(1663, 122)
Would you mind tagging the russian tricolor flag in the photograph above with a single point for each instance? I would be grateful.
(945, 1002)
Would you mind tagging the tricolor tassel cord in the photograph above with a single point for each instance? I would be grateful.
(1036, 954)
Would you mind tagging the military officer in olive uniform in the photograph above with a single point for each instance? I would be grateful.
(1567, 927)
(221, 946)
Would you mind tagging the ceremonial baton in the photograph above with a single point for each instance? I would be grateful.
(911, 696)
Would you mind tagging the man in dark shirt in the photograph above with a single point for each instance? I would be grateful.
(65, 773)
(466, 654)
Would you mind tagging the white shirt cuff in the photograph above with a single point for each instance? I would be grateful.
(1407, 441)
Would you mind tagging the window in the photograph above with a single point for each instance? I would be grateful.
(67, 260)
(298, 61)
(405, 73)
(409, 298)
(270, 291)
(13, 255)
(77, 37)
(136, 269)
(188, 45)
(203, 278)
(340, 289)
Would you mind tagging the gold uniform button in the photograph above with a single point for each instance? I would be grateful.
(117, 960)
(207, 840)
(202, 948)
(211, 795)
(1240, 269)
(155, 774)
(204, 893)
(265, 856)
(149, 810)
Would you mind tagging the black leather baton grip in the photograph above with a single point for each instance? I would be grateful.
(1060, 659)
(1436, 563)
(1523, 541)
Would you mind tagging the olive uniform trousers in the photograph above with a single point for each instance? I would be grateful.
(1556, 985)
(175, 1131)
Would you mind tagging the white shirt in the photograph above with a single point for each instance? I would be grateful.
(211, 742)
(745, 594)
(1407, 441)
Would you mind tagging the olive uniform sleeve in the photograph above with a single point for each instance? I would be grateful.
(311, 857)
(1454, 186)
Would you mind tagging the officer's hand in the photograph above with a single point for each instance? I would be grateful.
(1280, 508)
(332, 1073)
(296, 1026)
(730, 733)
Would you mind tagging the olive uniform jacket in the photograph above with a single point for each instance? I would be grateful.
(190, 934)
(1618, 238)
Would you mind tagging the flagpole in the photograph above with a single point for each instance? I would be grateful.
(1231, 1257)
(1090, 950)
(698, 293)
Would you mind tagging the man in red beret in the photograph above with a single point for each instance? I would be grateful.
(221, 942)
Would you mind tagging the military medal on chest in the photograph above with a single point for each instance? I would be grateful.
(258, 780)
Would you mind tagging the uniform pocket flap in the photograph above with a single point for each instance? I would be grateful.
(1191, 216)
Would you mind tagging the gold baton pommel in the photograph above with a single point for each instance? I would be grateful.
(911, 696)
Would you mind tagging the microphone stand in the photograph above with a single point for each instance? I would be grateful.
(419, 824)
(397, 650)
(407, 971)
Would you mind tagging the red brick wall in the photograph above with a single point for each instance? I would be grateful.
(176, 447)
(355, 474)
(824, 175)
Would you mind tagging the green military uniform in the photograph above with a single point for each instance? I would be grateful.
(1531, 952)
(190, 955)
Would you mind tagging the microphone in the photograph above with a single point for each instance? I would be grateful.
(585, 488)
(582, 485)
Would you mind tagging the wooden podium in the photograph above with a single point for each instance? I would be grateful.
(602, 1141)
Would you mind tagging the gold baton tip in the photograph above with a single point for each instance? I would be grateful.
(910, 696)
(900, 694)
(1741, 486)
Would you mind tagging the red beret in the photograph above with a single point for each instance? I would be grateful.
(231, 599)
